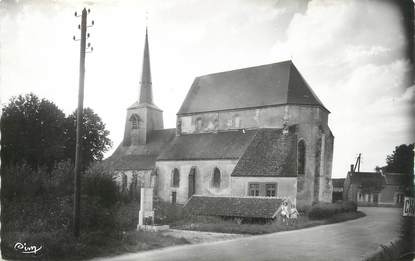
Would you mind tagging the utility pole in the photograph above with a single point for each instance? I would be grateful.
(77, 173)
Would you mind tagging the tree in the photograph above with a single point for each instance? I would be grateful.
(32, 132)
(401, 160)
(35, 131)
(94, 140)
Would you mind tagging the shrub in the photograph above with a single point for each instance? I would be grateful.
(100, 184)
(167, 213)
(327, 210)
(21, 181)
(127, 215)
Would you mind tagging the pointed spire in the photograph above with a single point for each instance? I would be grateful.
(146, 93)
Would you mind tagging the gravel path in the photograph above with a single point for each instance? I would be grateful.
(196, 237)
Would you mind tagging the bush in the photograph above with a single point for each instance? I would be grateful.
(36, 216)
(40, 201)
(127, 215)
(327, 210)
(99, 183)
(167, 213)
(21, 181)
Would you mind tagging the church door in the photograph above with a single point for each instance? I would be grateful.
(192, 182)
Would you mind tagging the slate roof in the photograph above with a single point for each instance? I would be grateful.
(134, 162)
(142, 157)
(205, 146)
(265, 85)
(270, 153)
(359, 177)
(251, 207)
(397, 179)
(338, 183)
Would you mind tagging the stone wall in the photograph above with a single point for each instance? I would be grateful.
(150, 119)
(315, 185)
(203, 178)
(309, 133)
(267, 117)
(388, 195)
(131, 181)
(143, 177)
(326, 187)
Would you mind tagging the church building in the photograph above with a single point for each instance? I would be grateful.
(257, 132)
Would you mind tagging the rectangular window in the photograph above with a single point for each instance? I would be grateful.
(262, 189)
(270, 190)
(254, 189)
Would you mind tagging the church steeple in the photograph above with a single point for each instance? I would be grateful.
(143, 116)
(146, 93)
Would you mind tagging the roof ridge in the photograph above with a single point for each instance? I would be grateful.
(293, 67)
(247, 148)
(245, 68)
(189, 94)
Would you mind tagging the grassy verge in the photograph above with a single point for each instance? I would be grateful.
(61, 245)
(216, 224)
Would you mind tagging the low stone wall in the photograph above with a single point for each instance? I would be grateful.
(153, 228)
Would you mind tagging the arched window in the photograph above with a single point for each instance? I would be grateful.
(192, 182)
(175, 178)
(236, 121)
(301, 157)
(199, 124)
(135, 121)
(216, 178)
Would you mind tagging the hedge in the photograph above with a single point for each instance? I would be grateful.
(327, 210)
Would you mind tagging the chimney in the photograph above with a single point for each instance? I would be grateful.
(352, 168)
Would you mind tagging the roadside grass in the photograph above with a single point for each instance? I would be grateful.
(217, 224)
(36, 210)
(61, 245)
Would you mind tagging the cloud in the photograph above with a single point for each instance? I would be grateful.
(353, 55)
(351, 52)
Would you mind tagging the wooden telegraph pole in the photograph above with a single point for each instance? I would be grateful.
(78, 157)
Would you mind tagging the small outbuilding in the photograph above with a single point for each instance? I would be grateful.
(257, 208)
(376, 188)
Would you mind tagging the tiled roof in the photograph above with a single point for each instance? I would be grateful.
(271, 153)
(265, 85)
(397, 179)
(204, 146)
(134, 162)
(359, 177)
(141, 157)
(338, 183)
(251, 207)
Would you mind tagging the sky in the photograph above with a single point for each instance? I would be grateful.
(353, 53)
